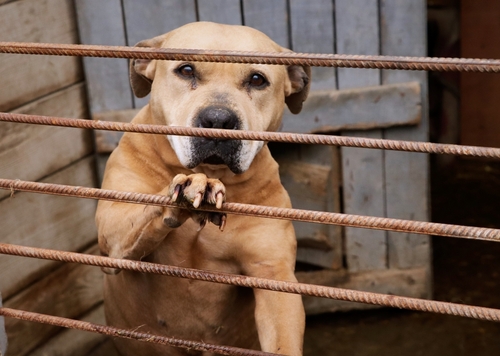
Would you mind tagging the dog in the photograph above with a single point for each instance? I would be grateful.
(193, 171)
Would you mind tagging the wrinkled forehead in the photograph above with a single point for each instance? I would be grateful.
(220, 37)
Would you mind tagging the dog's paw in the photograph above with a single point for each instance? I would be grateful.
(191, 191)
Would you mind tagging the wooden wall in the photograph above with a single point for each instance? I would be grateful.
(55, 86)
(351, 180)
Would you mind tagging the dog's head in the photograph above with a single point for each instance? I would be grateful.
(218, 95)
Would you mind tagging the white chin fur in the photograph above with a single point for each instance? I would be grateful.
(249, 150)
(182, 148)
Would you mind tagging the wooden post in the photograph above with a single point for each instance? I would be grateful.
(403, 33)
(363, 170)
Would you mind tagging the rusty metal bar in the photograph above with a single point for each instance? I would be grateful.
(395, 145)
(128, 334)
(260, 283)
(282, 58)
(350, 220)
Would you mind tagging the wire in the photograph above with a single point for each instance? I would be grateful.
(276, 58)
(395, 145)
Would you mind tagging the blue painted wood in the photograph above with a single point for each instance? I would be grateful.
(357, 26)
(220, 11)
(407, 174)
(100, 23)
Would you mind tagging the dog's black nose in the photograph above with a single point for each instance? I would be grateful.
(218, 117)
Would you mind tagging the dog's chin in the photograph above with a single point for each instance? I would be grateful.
(217, 162)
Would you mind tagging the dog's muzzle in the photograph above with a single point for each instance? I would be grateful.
(217, 151)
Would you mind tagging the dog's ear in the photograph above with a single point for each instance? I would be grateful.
(142, 71)
(300, 79)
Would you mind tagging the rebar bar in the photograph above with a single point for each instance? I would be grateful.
(284, 137)
(273, 58)
(350, 220)
(128, 334)
(260, 283)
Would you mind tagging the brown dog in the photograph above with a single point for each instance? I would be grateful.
(193, 171)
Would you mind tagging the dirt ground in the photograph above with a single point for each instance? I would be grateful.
(466, 192)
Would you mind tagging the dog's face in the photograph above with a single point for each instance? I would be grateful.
(218, 95)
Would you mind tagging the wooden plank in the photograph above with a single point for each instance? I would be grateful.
(310, 175)
(312, 30)
(403, 30)
(411, 283)
(149, 18)
(101, 23)
(364, 194)
(46, 221)
(221, 11)
(25, 78)
(70, 342)
(357, 29)
(270, 17)
(3, 335)
(70, 292)
(31, 152)
(107, 141)
(358, 108)
(479, 104)
(363, 170)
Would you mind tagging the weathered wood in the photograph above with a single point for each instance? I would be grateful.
(31, 152)
(365, 108)
(309, 174)
(358, 32)
(107, 141)
(221, 11)
(70, 292)
(411, 283)
(107, 348)
(25, 78)
(270, 17)
(101, 23)
(407, 174)
(3, 335)
(149, 18)
(363, 170)
(364, 194)
(312, 30)
(46, 221)
(70, 342)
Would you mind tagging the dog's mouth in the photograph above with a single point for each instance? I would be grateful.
(216, 152)
(214, 159)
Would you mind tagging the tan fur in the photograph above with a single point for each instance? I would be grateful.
(266, 248)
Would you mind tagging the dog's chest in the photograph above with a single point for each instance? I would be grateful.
(208, 248)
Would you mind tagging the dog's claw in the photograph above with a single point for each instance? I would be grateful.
(193, 191)
(176, 193)
(223, 222)
(220, 200)
(197, 200)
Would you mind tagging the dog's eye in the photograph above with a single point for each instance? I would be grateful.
(258, 81)
(186, 70)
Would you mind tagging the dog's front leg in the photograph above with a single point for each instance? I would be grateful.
(133, 231)
(280, 322)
